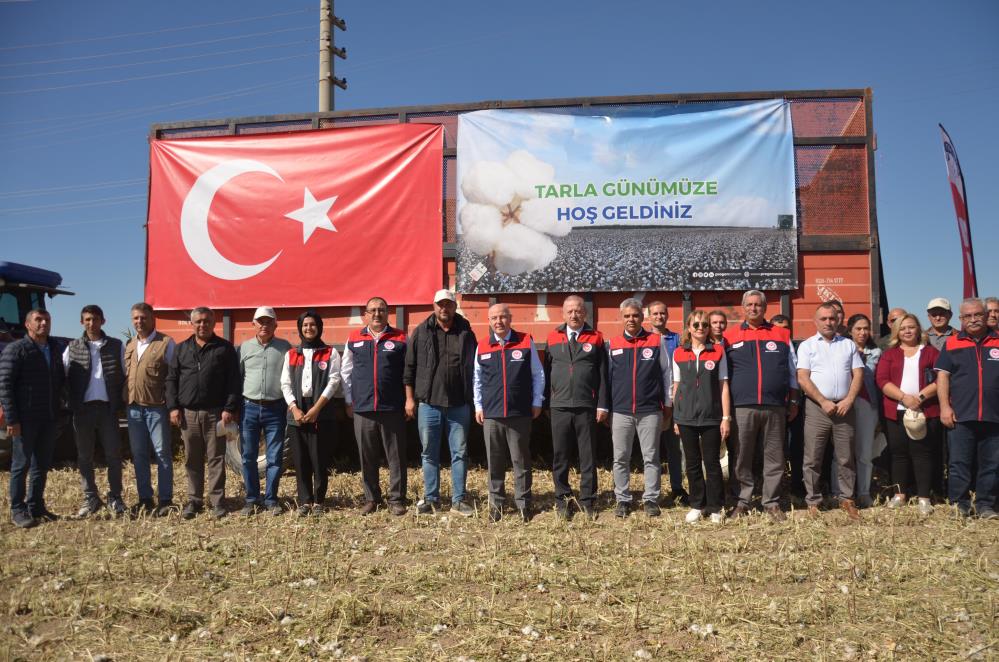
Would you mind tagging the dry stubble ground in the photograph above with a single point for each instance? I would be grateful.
(341, 586)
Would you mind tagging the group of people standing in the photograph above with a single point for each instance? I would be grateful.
(745, 387)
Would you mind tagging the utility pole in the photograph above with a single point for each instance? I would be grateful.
(328, 21)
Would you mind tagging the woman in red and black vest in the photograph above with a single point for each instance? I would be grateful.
(309, 380)
(702, 414)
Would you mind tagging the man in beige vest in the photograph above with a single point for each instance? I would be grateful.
(147, 361)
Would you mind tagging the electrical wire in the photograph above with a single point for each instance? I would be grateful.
(85, 40)
(117, 183)
(168, 74)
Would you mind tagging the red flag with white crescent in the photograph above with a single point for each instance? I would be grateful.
(311, 218)
(956, 178)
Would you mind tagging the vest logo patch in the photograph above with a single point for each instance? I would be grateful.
(647, 353)
(517, 354)
(587, 347)
(615, 352)
(389, 345)
(483, 357)
(709, 365)
(359, 343)
(322, 365)
(738, 345)
(994, 353)
(772, 346)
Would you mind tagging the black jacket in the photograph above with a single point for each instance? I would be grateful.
(576, 379)
(422, 354)
(204, 378)
(30, 389)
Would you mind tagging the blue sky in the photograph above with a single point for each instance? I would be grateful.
(74, 122)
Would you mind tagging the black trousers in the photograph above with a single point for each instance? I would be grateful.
(382, 433)
(913, 459)
(310, 444)
(702, 445)
(574, 428)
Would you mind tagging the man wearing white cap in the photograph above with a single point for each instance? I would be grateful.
(939, 312)
(438, 381)
(261, 359)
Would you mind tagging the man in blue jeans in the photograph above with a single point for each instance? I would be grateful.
(261, 359)
(438, 380)
(968, 390)
(31, 379)
(147, 361)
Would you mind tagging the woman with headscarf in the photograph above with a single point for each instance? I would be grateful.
(310, 377)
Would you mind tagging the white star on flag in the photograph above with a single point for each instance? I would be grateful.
(313, 215)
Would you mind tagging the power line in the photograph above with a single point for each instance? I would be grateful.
(113, 114)
(102, 134)
(118, 183)
(151, 32)
(203, 42)
(160, 60)
(63, 225)
(99, 202)
(152, 76)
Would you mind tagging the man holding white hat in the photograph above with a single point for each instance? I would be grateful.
(261, 359)
(939, 312)
(438, 381)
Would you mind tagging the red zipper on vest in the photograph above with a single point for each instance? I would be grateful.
(634, 377)
(375, 361)
(759, 374)
(978, 355)
(503, 357)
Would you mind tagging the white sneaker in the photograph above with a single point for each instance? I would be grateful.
(925, 507)
(717, 518)
(897, 501)
(693, 516)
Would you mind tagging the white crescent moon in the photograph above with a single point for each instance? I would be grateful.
(194, 220)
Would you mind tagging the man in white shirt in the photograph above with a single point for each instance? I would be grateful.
(831, 374)
(94, 365)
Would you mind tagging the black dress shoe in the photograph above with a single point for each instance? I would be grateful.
(45, 515)
(622, 510)
(164, 509)
(495, 514)
(191, 509)
(562, 509)
(526, 514)
(589, 511)
(652, 509)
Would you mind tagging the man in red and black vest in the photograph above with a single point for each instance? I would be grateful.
(764, 386)
(639, 371)
(576, 374)
(373, 362)
(968, 390)
(508, 390)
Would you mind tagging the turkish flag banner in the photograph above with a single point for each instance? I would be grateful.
(311, 218)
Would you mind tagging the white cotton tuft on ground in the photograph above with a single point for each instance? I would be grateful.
(542, 215)
(481, 226)
(530, 172)
(490, 183)
(521, 249)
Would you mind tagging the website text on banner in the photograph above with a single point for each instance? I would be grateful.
(683, 197)
(296, 219)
